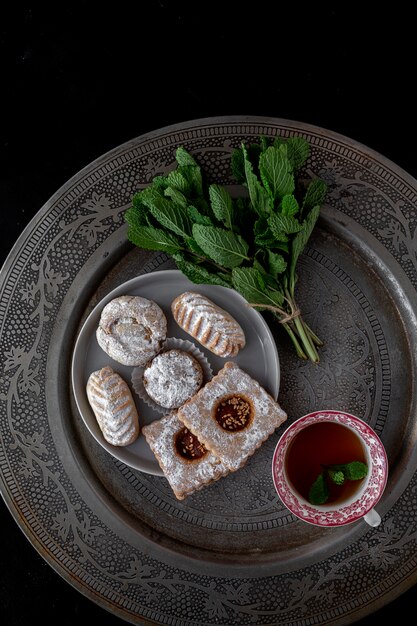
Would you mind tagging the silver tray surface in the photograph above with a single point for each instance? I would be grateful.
(230, 554)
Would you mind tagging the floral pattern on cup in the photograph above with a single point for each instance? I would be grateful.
(351, 511)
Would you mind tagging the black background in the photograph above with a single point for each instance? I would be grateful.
(79, 80)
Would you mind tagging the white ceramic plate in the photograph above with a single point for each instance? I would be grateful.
(259, 358)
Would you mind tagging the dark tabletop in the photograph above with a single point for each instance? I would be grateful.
(76, 82)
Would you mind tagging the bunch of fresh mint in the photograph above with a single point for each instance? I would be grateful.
(251, 243)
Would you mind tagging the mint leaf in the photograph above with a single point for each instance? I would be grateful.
(249, 283)
(169, 214)
(276, 172)
(260, 264)
(183, 157)
(194, 247)
(279, 236)
(336, 476)
(276, 263)
(252, 153)
(178, 181)
(265, 143)
(258, 195)
(237, 163)
(176, 196)
(197, 217)
(151, 238)
(223, 246)
(298, 150)
(356, 470)
(198, 274)
(263, 234)
(137, 213)
(265, 240)
(160, 182)
(277, 297)
(278, 141)
(289, 205)
(284, 224)
(227, 278)
(303, 236)
(315, 194)
(319, 491)
(194, 178)
(222, 205)
(190, 170)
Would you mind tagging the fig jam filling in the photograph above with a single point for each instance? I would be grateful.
(188, 446)
(233, 413)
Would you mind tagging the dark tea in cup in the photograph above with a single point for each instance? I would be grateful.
(330, 468)
(321, 446)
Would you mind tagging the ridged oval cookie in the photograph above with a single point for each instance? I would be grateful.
(113, 405)
(208, 323)
(131, 330)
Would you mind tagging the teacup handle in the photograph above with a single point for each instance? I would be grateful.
(372, 518)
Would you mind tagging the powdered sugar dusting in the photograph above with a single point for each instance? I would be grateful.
(113, 406)
(211, 325)
(131, 329)
(233, 447)
(173, 377)
(184, 476)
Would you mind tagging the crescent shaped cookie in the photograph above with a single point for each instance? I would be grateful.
(131, 330)
(209, 324)
(115, 410)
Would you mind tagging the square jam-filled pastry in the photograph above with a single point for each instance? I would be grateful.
(186, 463)
(232, 415)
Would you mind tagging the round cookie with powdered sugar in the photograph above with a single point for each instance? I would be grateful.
(172, 377)
(131, 330)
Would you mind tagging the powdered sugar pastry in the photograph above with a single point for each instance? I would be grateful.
(114, 408)
(211, 325)
(184, 476)
(131, 329)
(172, 377)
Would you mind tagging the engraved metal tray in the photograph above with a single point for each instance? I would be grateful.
(230, 554)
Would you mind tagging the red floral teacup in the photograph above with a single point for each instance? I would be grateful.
(330, 468)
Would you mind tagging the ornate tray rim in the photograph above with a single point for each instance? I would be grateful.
(101, 161)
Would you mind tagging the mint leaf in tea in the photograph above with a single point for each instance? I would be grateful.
(355, 470)
(326, 463)
(337, 474)
(319, 491)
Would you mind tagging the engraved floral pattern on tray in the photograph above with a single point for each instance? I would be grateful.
(76, 227)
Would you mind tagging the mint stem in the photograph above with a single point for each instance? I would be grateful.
(293, 337)
(302, 330)
(318, 342)
(307, 344)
